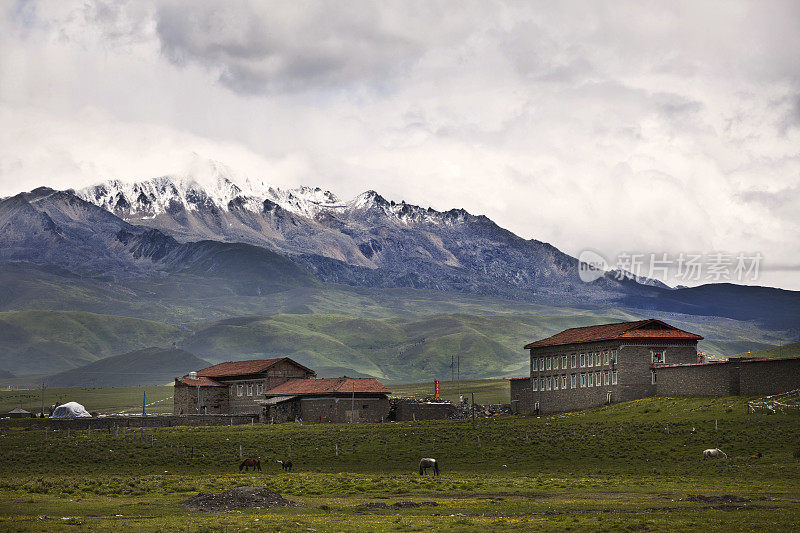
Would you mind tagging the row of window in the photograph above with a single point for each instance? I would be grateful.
(539, 364)
(587, 379)
(240, 389)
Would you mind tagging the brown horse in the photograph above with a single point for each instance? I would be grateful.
(286, 465)
(250, 463)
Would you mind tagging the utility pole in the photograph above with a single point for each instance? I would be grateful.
(458, 373)
(42, 398)
(473, 410)
(353, 404)
(452, 378)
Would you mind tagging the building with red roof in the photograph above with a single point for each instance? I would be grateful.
(327, 400)
(232, 388)
(594, 365)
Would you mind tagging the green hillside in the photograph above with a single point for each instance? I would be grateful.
(398, 349)
(787, 350)
(46, 342)
(150, 366)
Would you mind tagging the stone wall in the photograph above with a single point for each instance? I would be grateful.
(711, 379)
(110, 422)
(414, 410)
(363, 409)
(748, 377)
(521, 395)
(213, 401)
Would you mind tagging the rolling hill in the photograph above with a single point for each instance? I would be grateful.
(47, 342)
(150, 366)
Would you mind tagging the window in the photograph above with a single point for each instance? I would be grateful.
(613, 356)
(541, 364)
(240, 390)
(573, 381)
(613, 377)
(533, 365)
(563, 381)
(563, 361)
(549, 383)
(535, 384)
(249, 389)
(583, 360)
(583, 379)
(597, 379)
(541, 384)
(260, 388)
(605, 358)
(590, 379)
(605, 377)
(653, 374)
(555, 362)
(555, 382)
(598, 359)
(657, 355)
(572, 361)
(549, 362)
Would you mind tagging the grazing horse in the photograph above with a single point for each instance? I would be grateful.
(250, 463)
(427, 462)
(286, 465)
(714, 452)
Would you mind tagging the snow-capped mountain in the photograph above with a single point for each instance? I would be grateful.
(366, 241)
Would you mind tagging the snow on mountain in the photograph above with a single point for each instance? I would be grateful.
(147, 199)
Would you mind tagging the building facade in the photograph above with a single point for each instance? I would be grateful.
(594, 365)
(327, 400)
(233, 387)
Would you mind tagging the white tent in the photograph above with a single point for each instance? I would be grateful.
(70, 410)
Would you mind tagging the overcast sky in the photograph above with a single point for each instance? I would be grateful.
(618, 126)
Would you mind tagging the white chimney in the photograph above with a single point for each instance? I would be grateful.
(192, 375)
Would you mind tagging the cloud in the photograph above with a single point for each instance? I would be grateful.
(652, 127)
(266, 47)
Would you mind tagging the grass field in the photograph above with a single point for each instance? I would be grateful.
(630, 467)
(101, 400)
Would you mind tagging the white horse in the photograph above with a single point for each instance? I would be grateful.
(714, 452)
(427, 462)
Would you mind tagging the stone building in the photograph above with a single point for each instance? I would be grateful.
(232, 387)
(327, 400)
(593, 365)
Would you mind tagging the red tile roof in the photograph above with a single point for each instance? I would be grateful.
(199, 382)
(640, 329)
(343, 385)
(244, 368)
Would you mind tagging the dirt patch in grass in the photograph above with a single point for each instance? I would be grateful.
(724, 498)
(238, 498)
(397, 505)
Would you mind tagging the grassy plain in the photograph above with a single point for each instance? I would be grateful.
(629, 467)
(101, 400)
(487, 391)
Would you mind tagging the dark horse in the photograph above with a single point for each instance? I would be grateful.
(250, 463)
(286, 465)
(426, 463)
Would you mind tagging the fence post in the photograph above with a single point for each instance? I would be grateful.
(434, 444)
(337, 449)
(715, 424)
(240, 451)
(479, 441)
